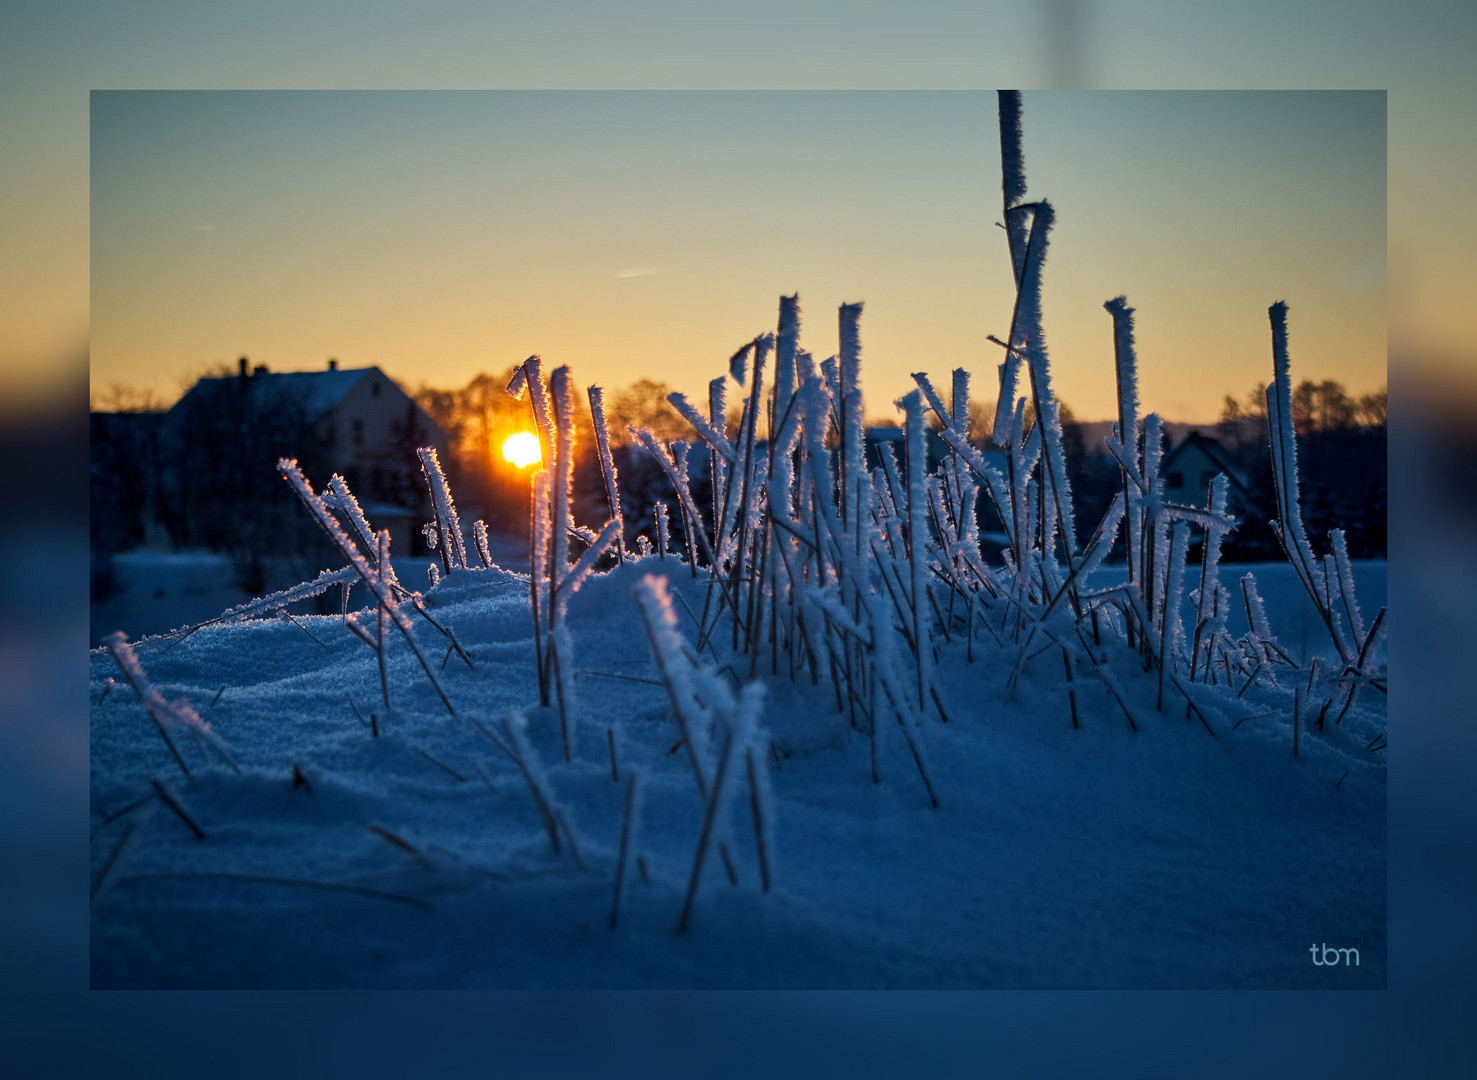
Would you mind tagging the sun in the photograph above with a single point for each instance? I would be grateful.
(522, 449)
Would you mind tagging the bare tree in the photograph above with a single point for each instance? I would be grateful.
(1371, 408)
(644, 404)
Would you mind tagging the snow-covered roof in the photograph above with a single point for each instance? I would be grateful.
(318, 391)
(322, 390)
(1212, 450)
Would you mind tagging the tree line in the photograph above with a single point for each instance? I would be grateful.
(222, 491)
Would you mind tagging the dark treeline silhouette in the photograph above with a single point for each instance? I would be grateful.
(201, 476)
(1341, 458)
(1341, 454)
(207, 477)
(479, 418)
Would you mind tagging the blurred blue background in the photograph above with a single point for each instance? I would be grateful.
(50, 56)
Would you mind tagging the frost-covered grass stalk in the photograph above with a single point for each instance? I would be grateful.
(512, 739)
(448, 524)
(1125, 444)
(380, 584)
(167, 716)
(1210, 600)
(1328, 583)
(1013, 178)
(552, 578)
(529, 376)
(479, 538)
(1053, 455)
(607, 466)
(538, 577)
(917, 540)
(663, 530)
(557, 661)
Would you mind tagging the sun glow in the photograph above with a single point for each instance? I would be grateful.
(522, 449)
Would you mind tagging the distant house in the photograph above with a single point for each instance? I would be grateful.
(356, 422)
(934, 446)
(1192, 464)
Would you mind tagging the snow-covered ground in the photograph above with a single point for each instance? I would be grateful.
(1168, 856)
(161, 590)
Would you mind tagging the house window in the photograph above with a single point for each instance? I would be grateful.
(357, 427)
(374, 389)
(377, 482)
(1174, 481)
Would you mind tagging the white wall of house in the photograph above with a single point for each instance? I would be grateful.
(364, 429)
(1187, 478)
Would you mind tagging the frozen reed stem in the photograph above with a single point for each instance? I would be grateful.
(622, 857)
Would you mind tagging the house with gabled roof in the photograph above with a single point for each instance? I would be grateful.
(356, 422)
(1192, 464)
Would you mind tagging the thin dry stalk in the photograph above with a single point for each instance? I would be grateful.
(382, 616)
(709, 817)
(574, 848)
(1107, 680)
(728, 865)
(170, 801)
(109, 818)
(112, 859)
(401, 843)
(442, 766)
(292, 619)
(908, 738)
(483, 777)
(756, 810)
(625, 847)
(1190, 705)
(1071, 688)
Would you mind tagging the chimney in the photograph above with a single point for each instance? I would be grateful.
(241, 367)
(332, 364)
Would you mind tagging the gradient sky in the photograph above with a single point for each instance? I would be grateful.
(52, 54)
(647, 234)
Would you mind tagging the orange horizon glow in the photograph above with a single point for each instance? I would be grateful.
(225, 225)
(522, 449)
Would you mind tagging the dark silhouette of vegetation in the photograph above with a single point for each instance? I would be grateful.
(206, 478)
(479, 417)
(220, 489)
(1342, 457)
